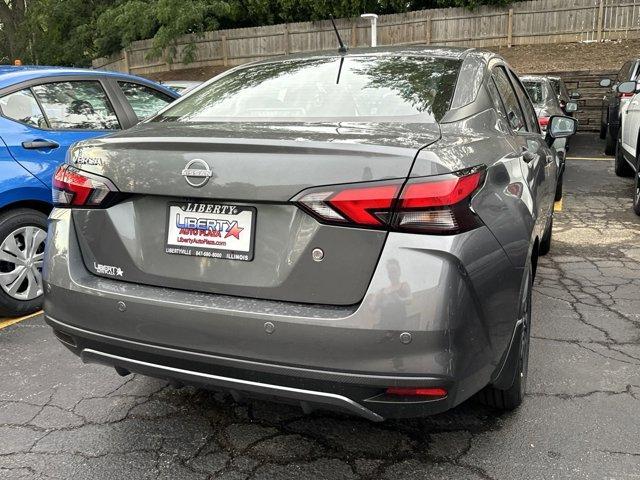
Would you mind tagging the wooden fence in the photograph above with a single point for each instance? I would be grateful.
(531, 22)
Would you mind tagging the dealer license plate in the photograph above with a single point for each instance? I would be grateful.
(211, 229)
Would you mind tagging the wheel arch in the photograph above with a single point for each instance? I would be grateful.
(38, 205)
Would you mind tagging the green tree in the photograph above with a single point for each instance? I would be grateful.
(62, 32)
(164, 21)
(12, 15)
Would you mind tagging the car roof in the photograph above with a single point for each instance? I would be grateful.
(454, 53)
(181, 82)
(534, 78)
(11, 75)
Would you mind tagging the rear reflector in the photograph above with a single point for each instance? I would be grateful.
(437, 204)
(417, 392)
(73, 187)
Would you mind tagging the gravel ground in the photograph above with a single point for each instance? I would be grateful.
(62, 419)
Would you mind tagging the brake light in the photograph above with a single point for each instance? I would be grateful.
(438, 204)
(625, 95)
(73, 187)
(365, 206)
(543, 122)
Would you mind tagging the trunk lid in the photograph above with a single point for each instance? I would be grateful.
(255, 169)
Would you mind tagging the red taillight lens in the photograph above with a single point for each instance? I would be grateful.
(365, 206)
(437, 204)
(543, 122)
(430, 392)
(626, 95)
(73, 187)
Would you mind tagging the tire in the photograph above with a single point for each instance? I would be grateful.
(636, 193)
(513, 396)
(545, 243)
(22, 237)
(603, 132)
(610, 145)
(621, 167)
(558, 195)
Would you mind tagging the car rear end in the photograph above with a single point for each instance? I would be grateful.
(301, 261)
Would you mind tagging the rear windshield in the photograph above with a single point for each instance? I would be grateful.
(535, 91)
(333, 88)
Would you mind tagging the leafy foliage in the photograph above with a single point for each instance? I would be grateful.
(72, 32)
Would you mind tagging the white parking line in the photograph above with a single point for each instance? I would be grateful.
(589, 158)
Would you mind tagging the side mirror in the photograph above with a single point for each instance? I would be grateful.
(571, 107)
(575, 95)
(560, 127)
(605, 82)
(627, 87)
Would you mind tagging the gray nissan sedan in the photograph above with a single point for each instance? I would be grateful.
(348, 231)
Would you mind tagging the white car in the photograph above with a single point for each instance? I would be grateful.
(627, 162)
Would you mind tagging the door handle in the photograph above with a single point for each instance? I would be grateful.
(39, 145)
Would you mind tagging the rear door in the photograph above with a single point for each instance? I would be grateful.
(535, 157)
(47, 117)
(631, 126)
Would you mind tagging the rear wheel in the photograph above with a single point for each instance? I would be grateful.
(511, 397)
(622, 168)
(22, 239)
(610, 145)
(636, 193)
(558, 195)
(603, 131)
(545, 243)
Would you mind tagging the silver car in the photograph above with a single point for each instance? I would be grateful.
(356, 231)
(546, 103)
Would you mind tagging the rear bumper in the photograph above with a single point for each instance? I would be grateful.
(356, 394)
(458, 303)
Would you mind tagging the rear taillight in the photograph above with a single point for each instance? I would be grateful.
(543, 122)
(626, 95)
(438, 204)
(73, 187)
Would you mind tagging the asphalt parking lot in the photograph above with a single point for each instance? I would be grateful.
(62, 419)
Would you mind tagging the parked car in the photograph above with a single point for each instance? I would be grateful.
(627, 162)
(181, 86)
(546, 104)
(613, 101)
(43, 111)
(561, 91)
(354, 231)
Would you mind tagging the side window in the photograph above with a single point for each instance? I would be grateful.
(497, 103)
(635, 70)
(144, 101)
(515, 117)
(529, 112)
(22, 107)
(625, 72)
(80, 105)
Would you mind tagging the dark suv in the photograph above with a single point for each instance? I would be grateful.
(610, 124)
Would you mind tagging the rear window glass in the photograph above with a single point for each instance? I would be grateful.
(22, 107)
(349, 88)
(534, 89)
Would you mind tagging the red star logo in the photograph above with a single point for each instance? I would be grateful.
(234, 231)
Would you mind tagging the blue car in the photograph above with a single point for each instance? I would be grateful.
(43, 110)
